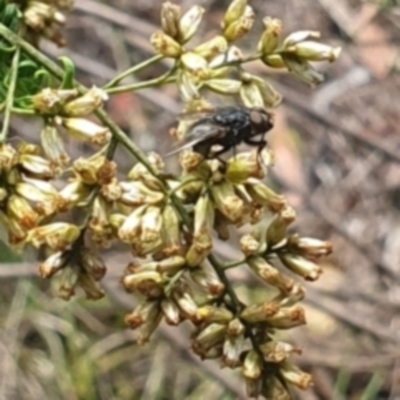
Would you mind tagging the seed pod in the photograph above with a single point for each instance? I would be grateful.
(314, 51)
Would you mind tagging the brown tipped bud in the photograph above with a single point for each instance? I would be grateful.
(145, 311)
(129, 231)
(75, 193)
(239, 28)
(213, 314)
(8, 157)
(171, 232)
(90, 287)
(203, 223)
(258, 91)
(165, 45)
(185, 302)
(249, 245)
(190, 22)
(293, 296)
(151, 225)
(269, 274)
(57, 236)
(53, 147)
(247, 165)
(277, 229)
(136, 193)
(195, 64)
(171, 311)
(93, 264)
(223, 86)
(259, 312)
(208, 337)
(20, 210)
(232, 351)
(252, 365)
(206, 278)
(312, 249)
(314, 51)
(148, 283)
(251, 96)
(303, 70)
(50, 101)
(170, 15)
(171, 265)
(53, 264)
(301, 266)
(234, 12)
(87, 131)
(68, 280)
(287, 318)
(189, 92)
(145, 331)
(277, 352)
(227, 202)
(86, 104)
(213, 47)
(300, 36)
(270, 37)
(295, 376)
(37, 166)
(265, 196)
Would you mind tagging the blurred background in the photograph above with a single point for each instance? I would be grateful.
(338, 161)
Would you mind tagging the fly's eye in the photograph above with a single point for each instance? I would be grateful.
(256, 117)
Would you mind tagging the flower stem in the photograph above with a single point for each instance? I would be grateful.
(10, 95)
(133, 70)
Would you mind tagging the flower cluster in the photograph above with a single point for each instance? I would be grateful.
(169, 222)
(45, 19)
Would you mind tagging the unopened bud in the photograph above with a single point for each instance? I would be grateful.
(211, 48)
(143, 312)
(51, 101)
(277, 352)
(213, 314)
(314, 51)
(195, 64)
(270, 37)
(148, 283)
(310, 248)
(277, 229)
(58, 235)
(300, 36)
(232, 351)
(301, 266)
(206, 278)
(295, 376)
(234, 12)
(239, 28)
(170, 14)
(165, 45)
(303, 70)
(37, 166)
(171, 232)
(223, 86)
(226, 201)
(172, 313)
(93, 264)
(185, 302)
(86, 104)
(189, 23)
(252, 365)
(262, 194)
(90, 287)
(208, 337)
(53, 264)
(287, 318)
(67, 282)
(53, 146)
(259, 312)
(87, 131)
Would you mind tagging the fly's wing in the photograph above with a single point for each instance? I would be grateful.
(199, 132)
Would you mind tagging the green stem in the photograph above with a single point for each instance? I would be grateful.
(133, 70)
(165, 78)
(10, 95)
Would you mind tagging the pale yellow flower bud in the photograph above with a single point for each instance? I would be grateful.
(151, 224)
(87, 131)
(211, 48)
(301, 266)
(93, 264)
(148, 327)
(239, 28)
(312, 249)
(53, 264)
(189, 23)
(287, 318)
(208, 337)
(195, 64)
(20, 210)
(185, 302)
(303, 70)
(295, 376)
(136, 193)
(277, 229)
(226, 201)
(8, 157)
(255, 313)
(264, 195)
(314, 51)
(277, 352)
(234, 12)
(90, 287)
(53, 147)
(223, 86)
(172, 313)
(145, 311)
(249, 245)
(86, 104)
(51, 101)
(171, 231)
(170, 15)
(76, 193)
(251, 96)
(68, 279)
(57, 236)
(148, 283)
(36, 166)
(165, 45)
(214, 314)
(171, 265)
(207, 279)
(130, 228)
(252, 365)
(232, 350)
(274, 61)
(300, 36)
(270, 37)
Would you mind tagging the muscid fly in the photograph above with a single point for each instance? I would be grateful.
(225, 128)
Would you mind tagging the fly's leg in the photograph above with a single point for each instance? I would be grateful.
(260, 143)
